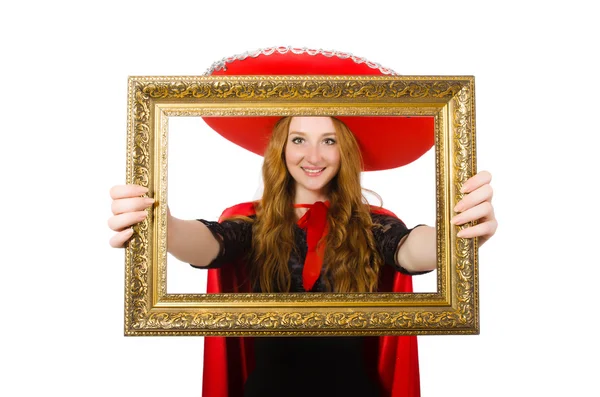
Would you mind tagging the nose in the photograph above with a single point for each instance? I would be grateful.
(313, 154)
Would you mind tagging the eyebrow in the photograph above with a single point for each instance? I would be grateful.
(304, 134)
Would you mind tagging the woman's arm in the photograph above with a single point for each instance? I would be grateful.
(189, 241)
(417, 252)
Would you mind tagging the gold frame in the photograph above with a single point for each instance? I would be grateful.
(453, 309)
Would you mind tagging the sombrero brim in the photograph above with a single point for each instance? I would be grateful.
(385, 142)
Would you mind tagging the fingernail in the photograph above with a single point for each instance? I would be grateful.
(460, 234)
(149, 200)
(129, 231)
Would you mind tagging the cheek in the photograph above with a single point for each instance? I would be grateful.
(292, 156)
(334, 157)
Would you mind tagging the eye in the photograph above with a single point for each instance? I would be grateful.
(329, 141)
(297, 140)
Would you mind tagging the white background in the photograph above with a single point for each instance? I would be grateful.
(63, 99)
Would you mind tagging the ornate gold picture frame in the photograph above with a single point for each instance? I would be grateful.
(153, 100)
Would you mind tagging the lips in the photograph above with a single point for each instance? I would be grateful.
(313, 171)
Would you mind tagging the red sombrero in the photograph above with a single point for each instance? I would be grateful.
(385, 142)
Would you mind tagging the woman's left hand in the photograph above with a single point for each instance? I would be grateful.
(476, 205)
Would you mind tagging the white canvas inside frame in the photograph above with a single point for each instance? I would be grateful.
(207, 173)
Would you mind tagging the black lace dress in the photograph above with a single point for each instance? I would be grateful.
(308, 366)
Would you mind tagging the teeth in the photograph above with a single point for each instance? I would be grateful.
(313, 171)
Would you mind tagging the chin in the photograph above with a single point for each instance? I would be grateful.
(316, 186)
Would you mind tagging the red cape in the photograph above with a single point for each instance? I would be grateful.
(229, 360)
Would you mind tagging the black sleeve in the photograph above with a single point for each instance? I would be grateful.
(388, 232)
(234, 237)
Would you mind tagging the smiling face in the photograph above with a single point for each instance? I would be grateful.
(312, 157)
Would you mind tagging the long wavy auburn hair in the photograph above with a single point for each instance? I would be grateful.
(351, 262)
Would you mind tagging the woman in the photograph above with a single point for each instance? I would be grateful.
(308, 160)
(311, 231)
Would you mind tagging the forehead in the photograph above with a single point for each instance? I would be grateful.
(318, 125)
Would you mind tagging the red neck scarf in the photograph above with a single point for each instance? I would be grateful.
(314, 221)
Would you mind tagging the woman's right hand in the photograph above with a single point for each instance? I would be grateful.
(128, 208)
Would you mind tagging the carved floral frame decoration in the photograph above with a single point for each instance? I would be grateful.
(150, 310)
